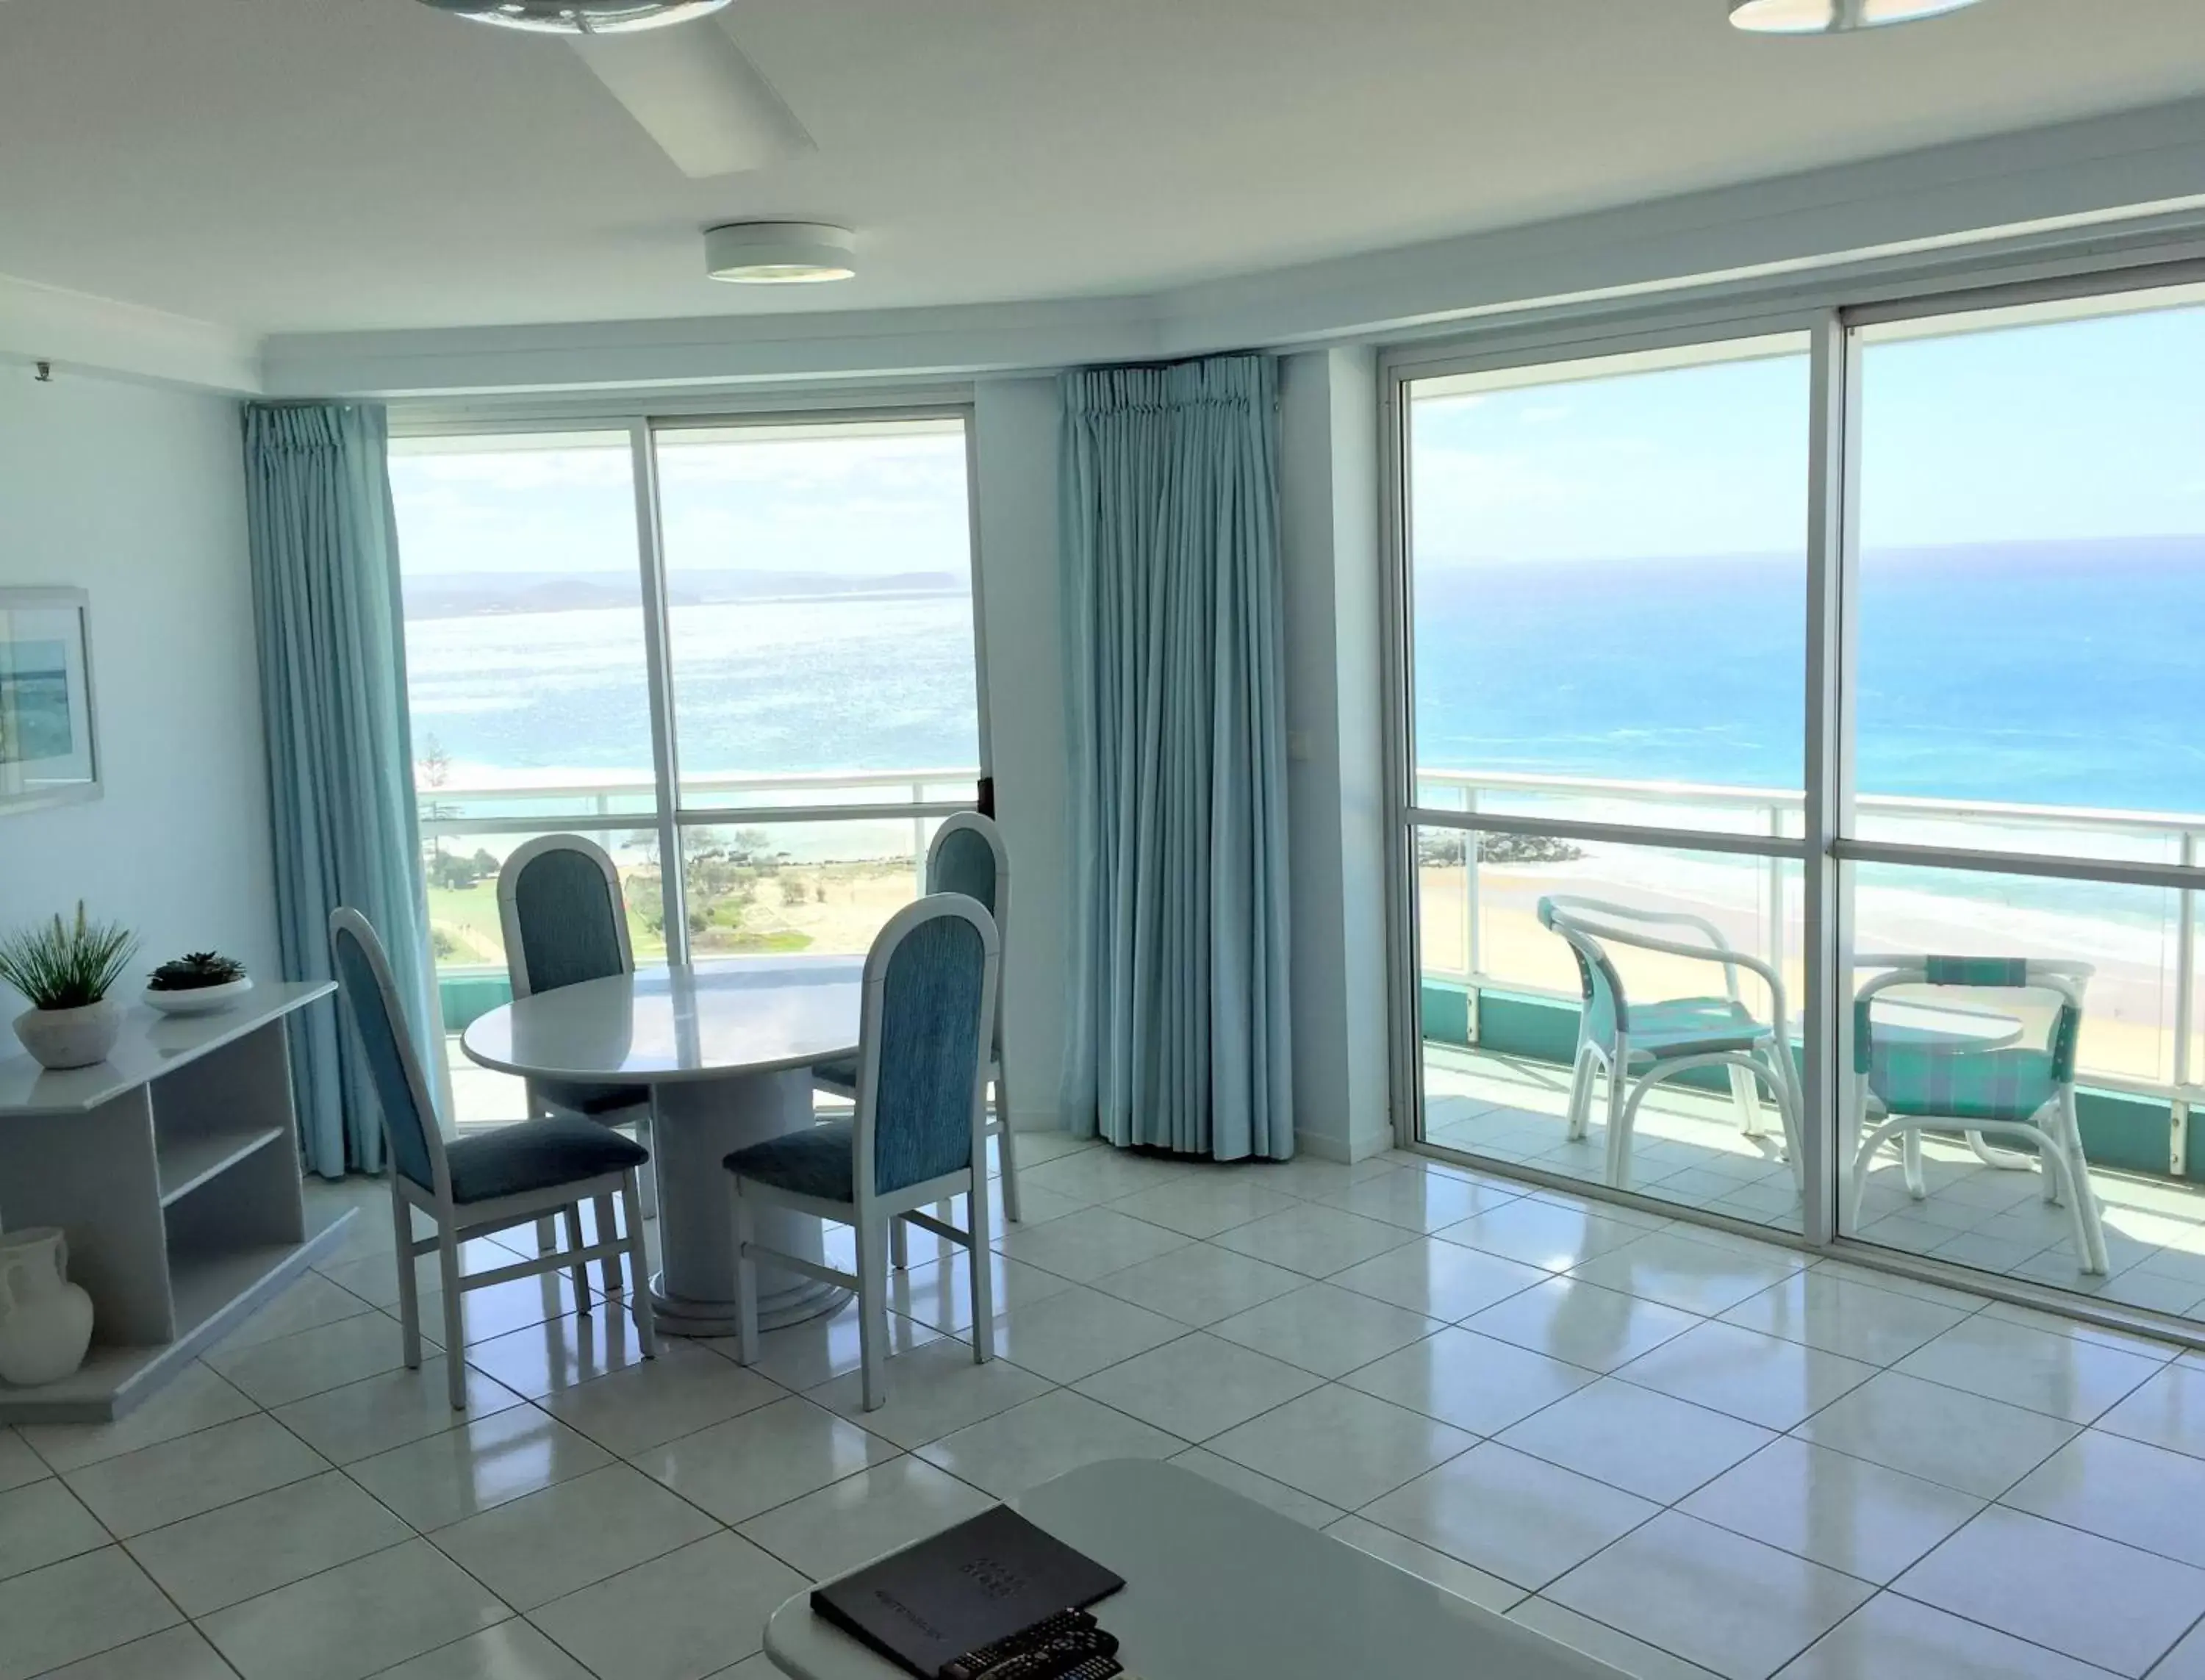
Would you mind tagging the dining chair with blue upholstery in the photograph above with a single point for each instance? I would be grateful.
(918, 1134)
(1922, 1069)
(565, 921)
(489, 1182)
(967, 855)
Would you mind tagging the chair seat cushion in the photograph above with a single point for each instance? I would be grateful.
(537, 1155)
(1692, 1027)
(579, 1098)
(839, 1077)
(817, 1161)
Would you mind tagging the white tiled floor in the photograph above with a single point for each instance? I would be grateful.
(1688, 1148)
(1684, 1453)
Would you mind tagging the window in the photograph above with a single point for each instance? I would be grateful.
(2108, 946)
(819, 587)
(810, 597)
(1500, 1076)
(819, 590)
(524, 619)
(2031, 598)
(1578, 533)
(2032, 569)
(1623, 646)
(1607, 592)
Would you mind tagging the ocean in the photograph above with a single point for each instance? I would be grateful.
(841, 682)
(2045, 674)
(2059, 674)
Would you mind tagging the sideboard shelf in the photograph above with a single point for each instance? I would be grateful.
(172, 1169)
(184, 1166)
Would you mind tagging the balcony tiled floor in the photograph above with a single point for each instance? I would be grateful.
(1687, 1453)
(1691, 1148)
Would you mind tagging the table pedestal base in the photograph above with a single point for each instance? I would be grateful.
(804, 1297)
(695, 1126)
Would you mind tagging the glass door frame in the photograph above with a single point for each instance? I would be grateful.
(668, 815)
(1830, 841)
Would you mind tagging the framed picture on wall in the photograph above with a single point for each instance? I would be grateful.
(48, 754)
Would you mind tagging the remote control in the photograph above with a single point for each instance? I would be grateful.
(988, 1660)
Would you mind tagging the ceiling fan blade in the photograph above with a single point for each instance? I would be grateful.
(697, 94)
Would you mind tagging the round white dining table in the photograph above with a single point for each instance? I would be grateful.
(727, 1049)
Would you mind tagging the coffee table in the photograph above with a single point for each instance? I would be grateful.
(1219, 1587)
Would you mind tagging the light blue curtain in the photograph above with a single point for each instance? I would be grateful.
(1177, 1035)
(333, 703)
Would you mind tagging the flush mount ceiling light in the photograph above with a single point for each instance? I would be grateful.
(1834, 17)
(779, 254)
(579, 17)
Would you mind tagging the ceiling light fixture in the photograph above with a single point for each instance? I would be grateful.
(1834, 17)
(779, 254)
(579, 17)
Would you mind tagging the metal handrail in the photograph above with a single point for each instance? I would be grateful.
(2169, 823)
(589, 806)
(760, 782)
(2183, 830)
(590, 803)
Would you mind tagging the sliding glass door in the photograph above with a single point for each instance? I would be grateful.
(1605, 581)
(1868, 653)
(2030, 611)
(748, 648)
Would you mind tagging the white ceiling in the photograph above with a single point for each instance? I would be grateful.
(330, 165)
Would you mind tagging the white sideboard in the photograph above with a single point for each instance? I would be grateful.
(174, 1168)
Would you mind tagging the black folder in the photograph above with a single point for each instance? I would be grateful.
(983, 1580)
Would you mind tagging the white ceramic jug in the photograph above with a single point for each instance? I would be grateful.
(45, 1320)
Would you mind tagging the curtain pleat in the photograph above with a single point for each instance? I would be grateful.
(1175, 648)
(333, 699)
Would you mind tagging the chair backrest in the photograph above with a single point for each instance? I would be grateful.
(559, 902)
(2055, 985)
(1607, 1008)
(1590, 924)
(393, 1065)
(929, 1014)
(968, 856)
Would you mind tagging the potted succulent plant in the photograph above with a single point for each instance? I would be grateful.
(197, 984)
(67, 970)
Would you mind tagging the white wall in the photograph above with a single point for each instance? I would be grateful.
(1021, 610)
(136, 494)
(1336, 789)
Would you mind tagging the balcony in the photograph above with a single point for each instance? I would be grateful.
(1498, 1000)
(814, 862)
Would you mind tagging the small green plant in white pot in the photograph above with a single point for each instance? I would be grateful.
(199, 983)
(67, 970)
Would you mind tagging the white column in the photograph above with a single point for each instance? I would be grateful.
(1335, 790)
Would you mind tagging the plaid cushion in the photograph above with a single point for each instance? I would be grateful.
(1977, 970)
(1938, 1081)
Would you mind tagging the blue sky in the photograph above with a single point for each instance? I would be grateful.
(860, 502)
(2082, 429)
(2092, 428)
